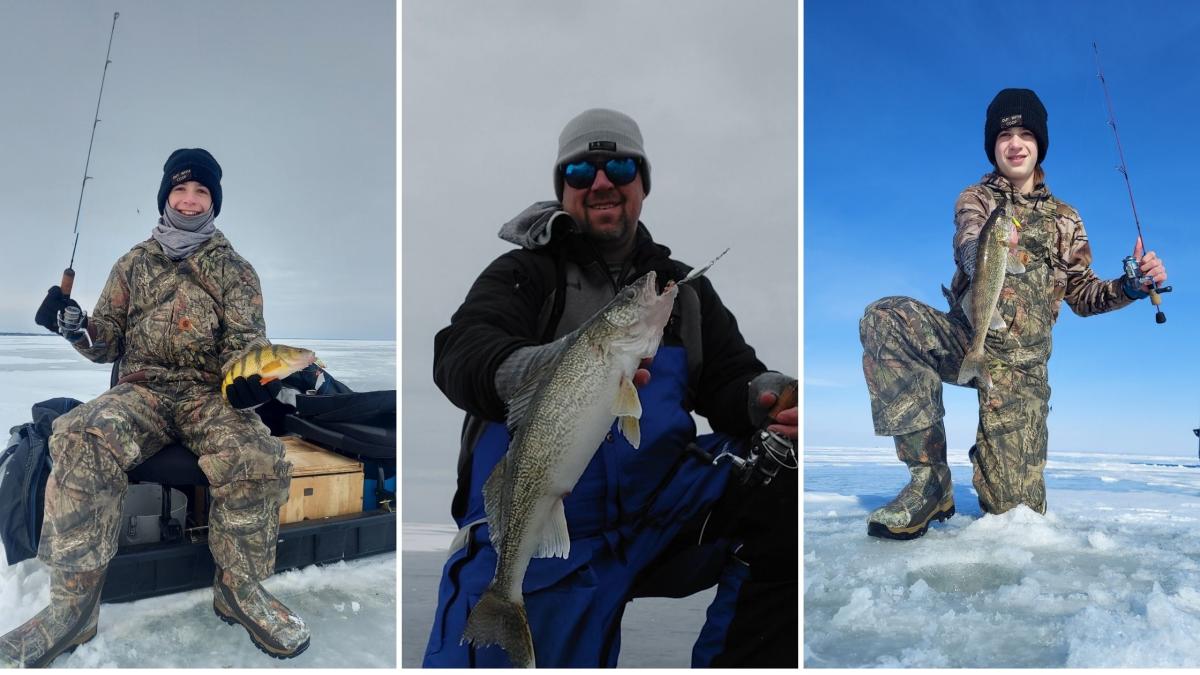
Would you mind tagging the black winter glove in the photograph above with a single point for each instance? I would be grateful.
(250, 392)
(55, 302)
(769, 381)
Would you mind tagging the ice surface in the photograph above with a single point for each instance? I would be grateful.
(349, 606)
(430, 537)
(1109, 577)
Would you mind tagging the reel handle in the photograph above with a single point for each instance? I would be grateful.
(1156, 300)
(68, 282)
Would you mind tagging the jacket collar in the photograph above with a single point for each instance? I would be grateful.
(997, 181)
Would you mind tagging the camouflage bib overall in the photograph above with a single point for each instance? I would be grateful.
(1010, 449)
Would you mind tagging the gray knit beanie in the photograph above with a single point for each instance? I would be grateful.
(600, 131)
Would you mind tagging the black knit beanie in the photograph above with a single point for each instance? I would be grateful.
(1015, 108)
(191, 164)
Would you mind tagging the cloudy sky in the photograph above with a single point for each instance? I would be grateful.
(487, 86)
(295, 98)
(895, 96)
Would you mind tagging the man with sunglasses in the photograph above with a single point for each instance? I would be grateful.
(659, 521)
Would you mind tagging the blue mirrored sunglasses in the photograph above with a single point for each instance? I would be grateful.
(580, 175)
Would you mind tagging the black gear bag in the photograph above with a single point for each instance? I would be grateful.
(24, 470)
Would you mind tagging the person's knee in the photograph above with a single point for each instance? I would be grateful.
(883, 318)
(252, 462)
(89, 449)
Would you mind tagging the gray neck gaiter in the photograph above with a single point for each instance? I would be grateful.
(181, 235)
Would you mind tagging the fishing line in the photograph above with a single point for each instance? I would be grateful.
(68, 279)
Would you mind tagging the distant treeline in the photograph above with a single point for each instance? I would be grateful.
(26, 334)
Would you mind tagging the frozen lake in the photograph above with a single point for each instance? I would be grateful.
(1109, 577)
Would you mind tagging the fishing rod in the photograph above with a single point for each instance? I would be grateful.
(1130, 263)
(68, 277)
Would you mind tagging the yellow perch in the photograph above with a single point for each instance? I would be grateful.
(273, 362)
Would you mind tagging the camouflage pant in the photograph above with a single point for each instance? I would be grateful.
(96, 443)
(910, 349)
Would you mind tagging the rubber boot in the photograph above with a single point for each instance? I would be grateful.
(929, 494)
(69, 621)
(273, 628)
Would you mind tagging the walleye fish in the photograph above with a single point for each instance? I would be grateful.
(273, 362)
(557, 418)
(993, 259)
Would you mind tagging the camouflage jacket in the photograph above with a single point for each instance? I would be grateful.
(1073, 278)
(184, 320)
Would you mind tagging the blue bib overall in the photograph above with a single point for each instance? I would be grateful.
(624, 511)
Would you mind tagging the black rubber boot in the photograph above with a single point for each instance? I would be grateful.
(69, 621)
(929, 494)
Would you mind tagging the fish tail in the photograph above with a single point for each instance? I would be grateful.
(973, 367)
(496, 620)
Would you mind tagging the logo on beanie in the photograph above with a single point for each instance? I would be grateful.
(182, 176)
(608, 146)
(1011, 121)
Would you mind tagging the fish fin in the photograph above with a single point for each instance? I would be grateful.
(272, 366)
(539, 369)
(997, 322)
(1015, 265)
(627, 403)
(493, 502)
(631, 429)
(628, 409)
(967, 304)
(972, 368)
(556, 539)
(496, 620)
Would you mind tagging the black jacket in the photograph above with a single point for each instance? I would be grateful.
(531, 295)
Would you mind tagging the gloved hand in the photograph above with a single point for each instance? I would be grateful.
(250, 392)
(55, 302)
(74, 329)
(764, 393)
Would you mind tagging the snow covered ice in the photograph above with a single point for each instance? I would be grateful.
(349, 606)
(1109, 577)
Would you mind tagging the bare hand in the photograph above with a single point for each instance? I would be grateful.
(641, 377)
(1150, 265)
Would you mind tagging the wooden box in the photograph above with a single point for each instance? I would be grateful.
(324, 483)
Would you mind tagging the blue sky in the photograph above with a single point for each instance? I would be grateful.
(894, 102)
